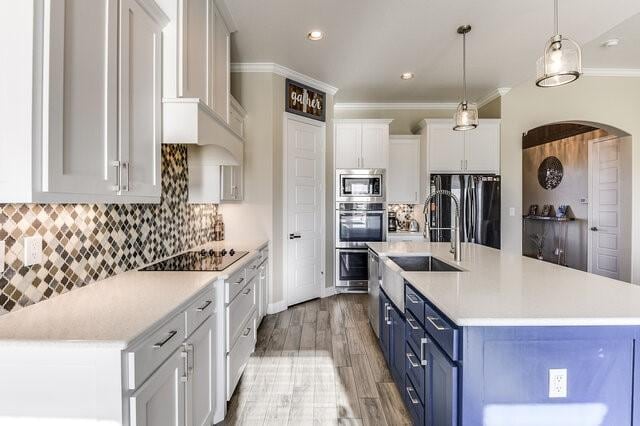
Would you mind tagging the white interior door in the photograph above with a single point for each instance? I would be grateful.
(604, 210)
(304, 209)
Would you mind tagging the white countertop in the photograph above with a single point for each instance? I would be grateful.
(502, 289)
(115, 310)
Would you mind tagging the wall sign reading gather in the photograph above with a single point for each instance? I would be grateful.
(304, 100)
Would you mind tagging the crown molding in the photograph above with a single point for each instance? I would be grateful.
(395, 105)
(611, 72)
(270, 67)
(494, 94)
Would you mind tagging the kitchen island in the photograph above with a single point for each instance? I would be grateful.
(508, 340)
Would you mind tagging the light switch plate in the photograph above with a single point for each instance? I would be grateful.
(2, 249)
(557, 383)
(32, 250)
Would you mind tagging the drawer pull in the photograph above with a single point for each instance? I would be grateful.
(254, 267)
(423, 342)
(413, 324)
(410, 357)
(433, 320)
(240, 281)
(163, 342)
(413, 299)
(414, 397)
(205, 306)
(247, 291)
(246, 332)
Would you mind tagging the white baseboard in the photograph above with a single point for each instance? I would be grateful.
(327, 292)
(274, 308)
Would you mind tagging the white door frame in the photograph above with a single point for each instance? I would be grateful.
(285, 201)
(591, 143)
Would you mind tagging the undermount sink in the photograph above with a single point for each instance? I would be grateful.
(422, 263)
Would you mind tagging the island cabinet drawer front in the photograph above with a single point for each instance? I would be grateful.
(415, 334)
(199, 311)
(234, 284)
(442, 331)
(415, 371)
(252, 268)
(414, 303)
(239, 355)
(145, 357)
(238, 311)
(413, 403)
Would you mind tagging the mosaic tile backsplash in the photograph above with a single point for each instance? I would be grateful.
(84, 243)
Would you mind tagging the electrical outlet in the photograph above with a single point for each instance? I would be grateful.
(512, 211)
(32, 250)
(2, 248)
(557, 383)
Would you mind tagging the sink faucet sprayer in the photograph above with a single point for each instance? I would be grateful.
(455, 228)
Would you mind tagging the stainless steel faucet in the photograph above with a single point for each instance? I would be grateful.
(455, 228)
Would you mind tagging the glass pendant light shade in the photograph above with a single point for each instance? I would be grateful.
(466, 116)
(562, 59)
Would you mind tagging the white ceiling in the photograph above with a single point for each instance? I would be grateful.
(369, 43)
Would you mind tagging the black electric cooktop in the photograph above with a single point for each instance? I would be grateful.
(201, 260)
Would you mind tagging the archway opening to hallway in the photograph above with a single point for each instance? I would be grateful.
(577, 197)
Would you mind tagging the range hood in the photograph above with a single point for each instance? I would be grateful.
(190, 121)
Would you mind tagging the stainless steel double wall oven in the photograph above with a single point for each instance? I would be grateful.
(361, 217)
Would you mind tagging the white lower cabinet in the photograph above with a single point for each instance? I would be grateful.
(200, 350)
(161, 400)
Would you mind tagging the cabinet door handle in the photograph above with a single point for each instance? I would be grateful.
(389, 322)
(433, 320)
(165, 340)
(461, 164)
(412, 323)
(423, 343)
(413, 299)
(466, 164)
(205, 306)
(185, 365)
(414, 398)
(246, 332)
(411, 357)
(240, 281)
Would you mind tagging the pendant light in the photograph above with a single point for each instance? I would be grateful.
(466, 116)
(562, 60)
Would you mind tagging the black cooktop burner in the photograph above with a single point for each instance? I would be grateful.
(202, 260)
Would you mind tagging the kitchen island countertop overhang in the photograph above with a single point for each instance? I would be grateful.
(501, 289)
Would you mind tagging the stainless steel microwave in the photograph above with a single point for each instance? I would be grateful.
(360, 185)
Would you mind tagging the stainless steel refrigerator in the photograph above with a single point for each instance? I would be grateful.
(479, 197)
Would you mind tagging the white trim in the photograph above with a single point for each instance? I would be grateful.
(274, 308)
(226, 15)
(396, 105)
(363, 120)
(278, 69)
(285, 205)
(611, 72)
(494, 94)
(328, 292)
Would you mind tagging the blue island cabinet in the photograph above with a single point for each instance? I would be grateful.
(392, 338)
(508, 375)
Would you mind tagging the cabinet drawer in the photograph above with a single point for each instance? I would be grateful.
(414, 303)
(148, 355)
(415, 371)
(442, 331)
(242, 307)
(199, 311)
(415, 407)
(252, 268)
(415, 333)
(239, 355)
(234, 284)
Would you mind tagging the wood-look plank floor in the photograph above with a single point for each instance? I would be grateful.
(318, 363)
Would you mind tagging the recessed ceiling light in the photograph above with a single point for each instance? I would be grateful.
(611, 42)
(406, 75)
(315, 35)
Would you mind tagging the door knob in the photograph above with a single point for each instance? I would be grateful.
(594, 228)
(294, 236)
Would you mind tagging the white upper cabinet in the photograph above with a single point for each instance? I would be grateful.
(221, 66)
(85, 101)
(403, 174)
(472, 151)
(361, 144)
